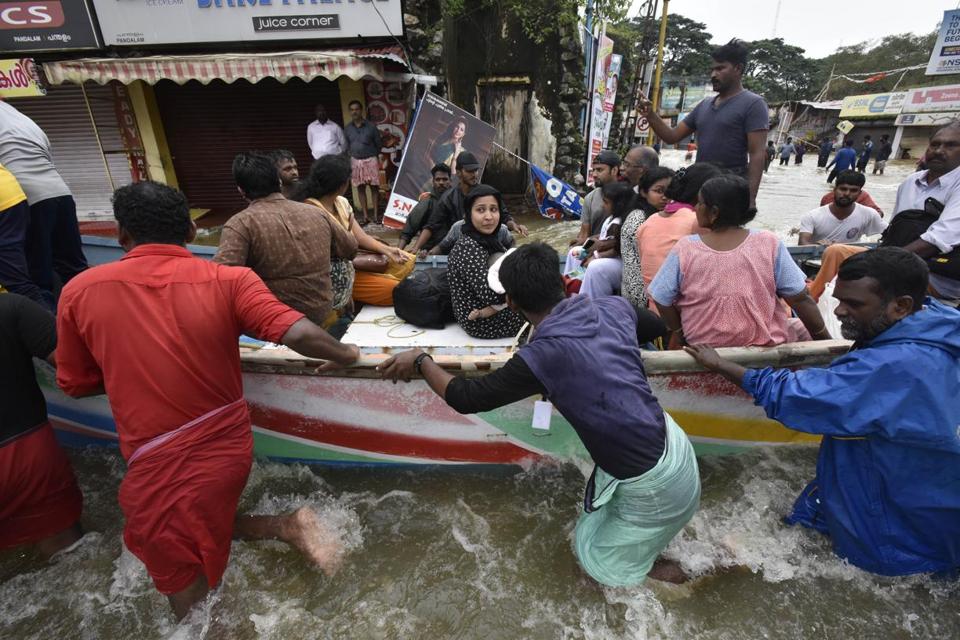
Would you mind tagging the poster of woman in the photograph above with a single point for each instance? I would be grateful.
(440, 133)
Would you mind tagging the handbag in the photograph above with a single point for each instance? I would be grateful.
(372, 262)
(908, 226)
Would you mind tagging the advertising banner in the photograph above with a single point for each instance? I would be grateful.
(598, 114)
(610, 95)
(555, 198)
(388, 108)
(933, 99)
(47, 25)
(129, 132)
(18, 79)
(925, 119)
(144, 22)
(440, 133)
(873, 105)
(945, 57)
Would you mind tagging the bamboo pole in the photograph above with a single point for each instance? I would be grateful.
(96, 134)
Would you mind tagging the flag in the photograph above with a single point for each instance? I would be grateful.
(555, 198)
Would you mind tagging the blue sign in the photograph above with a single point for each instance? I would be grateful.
(555, 198)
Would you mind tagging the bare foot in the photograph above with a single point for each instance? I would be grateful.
(668, 571)
(304, 530)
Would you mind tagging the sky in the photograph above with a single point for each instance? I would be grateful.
(818, 26)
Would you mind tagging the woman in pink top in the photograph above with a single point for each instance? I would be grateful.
(723, 288)
(657, 235)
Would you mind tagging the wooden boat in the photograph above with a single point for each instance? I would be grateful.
(353, 417)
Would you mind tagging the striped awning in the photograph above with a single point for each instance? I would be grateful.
(355, 63)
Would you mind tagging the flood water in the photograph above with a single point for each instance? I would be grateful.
(486, 553)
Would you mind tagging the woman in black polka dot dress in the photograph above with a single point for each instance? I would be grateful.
(478, 309)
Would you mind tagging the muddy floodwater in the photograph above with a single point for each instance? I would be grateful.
(486, 553)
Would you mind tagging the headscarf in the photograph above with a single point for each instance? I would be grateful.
(490, 243)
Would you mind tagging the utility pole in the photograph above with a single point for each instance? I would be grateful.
(659, 68)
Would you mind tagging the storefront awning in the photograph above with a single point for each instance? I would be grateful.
(354, 63)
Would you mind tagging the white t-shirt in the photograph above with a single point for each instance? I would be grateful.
(825, 226)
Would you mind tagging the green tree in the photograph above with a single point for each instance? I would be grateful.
(779, 71)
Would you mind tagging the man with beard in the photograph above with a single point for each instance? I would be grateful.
(887, 486)
(731, 126)
(420, 215)
(286, 165)
(941, 182)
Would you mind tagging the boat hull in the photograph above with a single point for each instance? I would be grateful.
(363, 421)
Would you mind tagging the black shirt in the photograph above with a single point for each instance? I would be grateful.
(27, 330)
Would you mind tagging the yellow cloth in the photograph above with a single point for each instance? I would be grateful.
(10, 191)
(830, 262)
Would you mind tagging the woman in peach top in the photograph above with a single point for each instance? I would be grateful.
(656, 236)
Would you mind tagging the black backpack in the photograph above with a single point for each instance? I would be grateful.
(423, 299)
(909, 225)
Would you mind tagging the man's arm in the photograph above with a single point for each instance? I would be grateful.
(756, 149)
(78, 373)
(666, 133)
(941, 236)
(308, 339)
(234, 249)
(341, 139)
(809, 314)
(582, 235)
(806, 238)
(511, 383)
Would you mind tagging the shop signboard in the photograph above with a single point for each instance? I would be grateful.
(945, 57)
(18, 79)
(873, 105)
(151, 22)
(47, 25)
(933, 99)
(441, 131)
(925, 119)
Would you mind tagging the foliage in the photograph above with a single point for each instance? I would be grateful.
(779, 71)
(539, 19)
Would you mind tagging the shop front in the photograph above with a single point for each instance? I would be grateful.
(924, 111)
(873, 114)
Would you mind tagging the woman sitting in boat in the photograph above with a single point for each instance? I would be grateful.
(657, 236)
(603, 268)
(478, 309)
(653, 187)
(371, 276)
(722, 288)
(646, 485)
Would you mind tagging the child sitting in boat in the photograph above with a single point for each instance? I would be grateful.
(599, 264)
(722, 288)
(480, 311)
(677, 219)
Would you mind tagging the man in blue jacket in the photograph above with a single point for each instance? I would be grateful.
(844, 160)
(887, 489)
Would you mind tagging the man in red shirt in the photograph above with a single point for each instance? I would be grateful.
(157, 331)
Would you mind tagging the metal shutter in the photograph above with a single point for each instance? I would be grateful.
(207, 125)
(63, 116)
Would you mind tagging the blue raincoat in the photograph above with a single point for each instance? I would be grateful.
(887, 489)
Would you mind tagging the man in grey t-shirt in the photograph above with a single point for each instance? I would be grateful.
(52, 238)
(731, 127)
(605, 168)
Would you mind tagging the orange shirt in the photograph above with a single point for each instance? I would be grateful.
(656, 237)
(158, 329)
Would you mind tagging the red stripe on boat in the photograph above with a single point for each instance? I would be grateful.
(707, 384)
(384, 442)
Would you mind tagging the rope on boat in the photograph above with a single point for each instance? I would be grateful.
(393, 322)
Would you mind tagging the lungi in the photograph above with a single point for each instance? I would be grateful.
(39, 496)
(180, 496)
(635, 519)
(365, 171)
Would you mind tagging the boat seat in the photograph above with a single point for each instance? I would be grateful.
(378, 329)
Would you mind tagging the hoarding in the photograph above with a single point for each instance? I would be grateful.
(145, 22)
(945, 57)
(47, 25)
(933, 99)
(441, 131)
(18, 79)
(873, 105)
(925, 119)
(598, 113)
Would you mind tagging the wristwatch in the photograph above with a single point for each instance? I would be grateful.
(419, 361)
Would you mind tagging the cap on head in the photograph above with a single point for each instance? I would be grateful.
(466, 161)
(607, 157)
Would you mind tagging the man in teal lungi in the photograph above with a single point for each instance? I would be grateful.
(584, 355)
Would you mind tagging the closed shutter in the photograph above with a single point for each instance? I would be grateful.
(207, 125)
(63, 116)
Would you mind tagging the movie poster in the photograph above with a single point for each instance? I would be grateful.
(440, 132)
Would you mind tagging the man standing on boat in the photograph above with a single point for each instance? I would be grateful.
(157, 331)
(285, 242)
(584, 356)
(731, 127)
(887, 488)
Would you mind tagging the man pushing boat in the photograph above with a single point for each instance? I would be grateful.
(887, 488)
(157, 331)
(584, 356)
